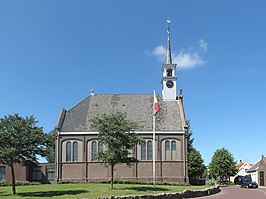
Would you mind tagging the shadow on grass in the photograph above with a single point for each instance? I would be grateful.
(51, 193)
(144, 188)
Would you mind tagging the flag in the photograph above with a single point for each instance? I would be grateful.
(156, 104)
(156, 110)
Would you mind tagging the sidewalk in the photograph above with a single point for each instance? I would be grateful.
(263, 188)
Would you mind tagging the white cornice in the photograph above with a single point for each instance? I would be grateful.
(138, 132)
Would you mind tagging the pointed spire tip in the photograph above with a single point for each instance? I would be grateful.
(168, 53)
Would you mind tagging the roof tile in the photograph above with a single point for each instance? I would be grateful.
(138, 108)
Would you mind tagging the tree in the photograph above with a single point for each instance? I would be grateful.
(189, 137)
(118, 135)
(20, 140)
(222, 164)
(196, 167)
(50, 149)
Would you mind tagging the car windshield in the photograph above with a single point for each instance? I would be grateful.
(247, 179)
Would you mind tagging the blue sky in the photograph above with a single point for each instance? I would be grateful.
(52, 53)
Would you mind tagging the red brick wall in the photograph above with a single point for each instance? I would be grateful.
(97, 171)
(20, 172)
(73, 171)
(88, 171)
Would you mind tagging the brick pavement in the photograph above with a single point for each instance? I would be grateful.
(236, 192)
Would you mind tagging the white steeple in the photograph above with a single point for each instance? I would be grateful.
(169, 77)
(168, 52)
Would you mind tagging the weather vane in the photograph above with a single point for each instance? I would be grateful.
(92, 91)
(168, 21)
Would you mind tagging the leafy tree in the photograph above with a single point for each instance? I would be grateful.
(118, 135)
(20, 140)
(189, 137)
(222, 164)
(196, 167)
(50, 149)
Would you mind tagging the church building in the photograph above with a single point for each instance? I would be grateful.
(77, 143)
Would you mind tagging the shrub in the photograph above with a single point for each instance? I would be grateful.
(5, 183)
(211, 182)
(18, 183)
(25, 183)
(120, 181)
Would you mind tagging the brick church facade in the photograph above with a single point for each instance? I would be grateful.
(77, 143)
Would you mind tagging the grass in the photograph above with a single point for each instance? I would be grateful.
(89, 190)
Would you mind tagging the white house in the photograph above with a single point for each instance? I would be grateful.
(258, 172)
(242, 167)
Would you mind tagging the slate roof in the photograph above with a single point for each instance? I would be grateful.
(254, 167)
(138, 108)
(257, 165)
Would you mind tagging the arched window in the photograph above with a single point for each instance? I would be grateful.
(173, 145)
(75, 151)
(68, 151)
(100, 146)
(93, 150)
(149, 150)
(169, 72)
(143, 151)
(167, 150)
(171, 149)
(167, 145)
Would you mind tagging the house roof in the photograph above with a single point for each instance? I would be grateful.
(137, 107)
(257, 165)
(239, 165)
(254, 167)
(264, 160)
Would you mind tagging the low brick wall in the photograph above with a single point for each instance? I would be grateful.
(180, 195)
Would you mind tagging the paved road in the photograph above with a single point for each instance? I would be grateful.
(238, 193)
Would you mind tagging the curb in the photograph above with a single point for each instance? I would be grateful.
(179, 195)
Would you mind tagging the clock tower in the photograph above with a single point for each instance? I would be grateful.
(169, 74)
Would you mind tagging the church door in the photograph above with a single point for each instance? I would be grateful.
(262, 178)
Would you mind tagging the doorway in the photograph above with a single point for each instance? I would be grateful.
(261, 178)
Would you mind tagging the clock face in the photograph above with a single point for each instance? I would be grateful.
(170, 84)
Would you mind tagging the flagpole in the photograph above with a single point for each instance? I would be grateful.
(153, 146)
(153, 169)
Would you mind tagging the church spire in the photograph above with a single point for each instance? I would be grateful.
(168, 52)
(169, 77)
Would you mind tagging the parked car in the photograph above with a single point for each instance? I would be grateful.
(237, 179)
(246, 182)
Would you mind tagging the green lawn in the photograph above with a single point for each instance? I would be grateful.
(89, 190)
